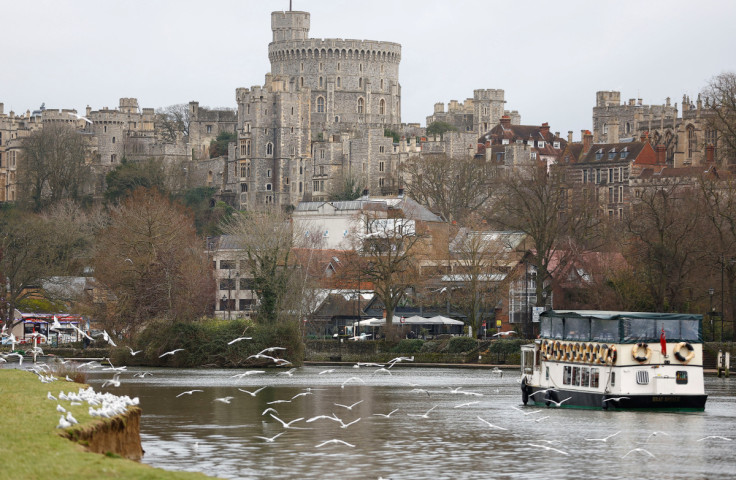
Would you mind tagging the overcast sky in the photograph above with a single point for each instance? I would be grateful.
(550, 57)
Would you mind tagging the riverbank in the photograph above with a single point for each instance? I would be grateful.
(34, 448)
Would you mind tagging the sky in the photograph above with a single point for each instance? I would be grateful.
(550, 57)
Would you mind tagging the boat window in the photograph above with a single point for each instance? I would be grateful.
(577, 329)
(545, 328)
(567, 375)
(594, 377)
(640, 330)
(546, 373)
(604, 330)
(689, 330)
(557, 328)
(681, 377)
(613, 379)
(584, 377)
(576, 376)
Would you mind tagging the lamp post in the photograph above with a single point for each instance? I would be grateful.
(711, 291)
(223, 301)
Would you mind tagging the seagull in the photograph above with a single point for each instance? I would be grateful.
(326, 371)
(79, 117)
(467, 404)
(60, 409)
(387, 415)
(188, 392)
(334, 440)
(560, 402)
(55, 325)
(497, 371)
(278, 401)
(639, 450)
(349, 407)
(82, 332)
(301, 394)
(271, 350)
(346, 425)
(270, 440)
(491, 425)
(134, 353)
(548, 448)
(424, 415)
(20, 357)
(114, 381)
(269, 410)
(654, 434)
(142, 374)
(68, 379)
(107, 338)
(714, 437)
(383, 370)
(455, 390)
(522, 411)
(350, 380)
(238, 340)
(71, 418)
(419, 390)
(170, 353)
(539, 419)
(475, 394)
(615, 399)
(602, 439)
(223, 399)
(50, 397)
(254, 392)
(288, 373)
(543, 391)
(63, 423)
(327, 417)
(286, 425)
(245, 374)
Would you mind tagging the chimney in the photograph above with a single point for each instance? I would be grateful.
(505, 122)
(544, 130)
(569, 136)
(587, 140)
(612, 132)
(2, 108)
(661, 155)
(710, 153)
(644, 137)
(88, 111)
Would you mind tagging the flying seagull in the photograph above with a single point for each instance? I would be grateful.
(424, 415)
(335, 440)
(387, 415)
(238, 340)
(254, 392)
(602, 439)
(188, 392)
(223, 399)
(270, 440)
(171, 352)
(548, 448)
(134, 353)
(491, 425)
(560, 402)
(714, 437)
(348, 407)
(639, 450)
(286, 425)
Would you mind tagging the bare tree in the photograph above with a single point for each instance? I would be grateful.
(450, 187)
(52, 165)
(172, 121)
(150, 259)
(720, 115)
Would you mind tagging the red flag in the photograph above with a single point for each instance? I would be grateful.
(663, 342)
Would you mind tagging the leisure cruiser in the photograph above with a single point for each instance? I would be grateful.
(615, 360)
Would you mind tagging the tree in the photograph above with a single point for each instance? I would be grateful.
(129, 176)
(150, 259)
(266, 240)
(534, 201)
(172, 121)
(387, 132)
(36, 248)
(52, 166)
(440, 128)
(450, 187)
(720, 115)
(218, 147)
(348, 189)
(389, 257)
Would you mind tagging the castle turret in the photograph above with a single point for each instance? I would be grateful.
(290, 25)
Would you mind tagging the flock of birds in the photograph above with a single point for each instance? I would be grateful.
(108, 405)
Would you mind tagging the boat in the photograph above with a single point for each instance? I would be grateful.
(615, 361)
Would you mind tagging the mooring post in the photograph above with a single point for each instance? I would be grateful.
(727, 363)
(719, 362)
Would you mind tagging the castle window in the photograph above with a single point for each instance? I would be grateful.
(113, 139)
(268, 173)
(302, 67)
(292, 129)
(380, 182)
(320, 82)
(320, 66)
(269, 148)
(247, 109)
(361, 67)
(627, 129)
(209, 128)
(540, 144)
(691, 141)
(337, 119)
(381, 166)
(360, 82)
(624, 153)
(322, 155)
(246, 128)
(268, 187)
(612, 154)
(301, 81)
(243, 188)
(556, 145)
(286, 180)
(599, 154)
(300, 187)
(382, 71)
(381, 84)
(265, 131)
(104, 129)
(338, 66)
(113, 158)
(605, 128)
(320, 105)
(380, 149)
(382, 106)
(292, 110)
(339, 82)
(361, 105)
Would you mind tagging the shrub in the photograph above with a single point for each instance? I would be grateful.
(408, 346)
(461, 344)
(431, 346)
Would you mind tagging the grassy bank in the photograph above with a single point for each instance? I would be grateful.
(33, 448)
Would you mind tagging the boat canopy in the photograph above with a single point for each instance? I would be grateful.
(620, 327)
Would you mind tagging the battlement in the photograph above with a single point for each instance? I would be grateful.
(489, 94)
(290, 25)
(607, 98)
(364, 50)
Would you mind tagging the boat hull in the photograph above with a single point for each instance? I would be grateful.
(595, 400)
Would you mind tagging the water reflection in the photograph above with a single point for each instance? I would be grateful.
(196, 433)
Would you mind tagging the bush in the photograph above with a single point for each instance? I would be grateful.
(431, 346)
(408, 346)
(461, 344)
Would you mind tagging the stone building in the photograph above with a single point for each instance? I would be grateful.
(476, 115)
(510, 144)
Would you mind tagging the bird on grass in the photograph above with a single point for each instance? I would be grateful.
(334, 441)
(641, 450)
(424, 415)
(70, 418)
(63, 423)
(238, 340)
(254, 392)
(548, 448)
(60, 409)
(189, 392)
(171, 352)
(349, 407)
(223, 399)
(387, 415)
(270, 440)
(50, 397)
(602, 439)
(490, 424)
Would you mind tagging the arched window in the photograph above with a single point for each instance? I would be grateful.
(691, 141)
(320, 105)
(628, 127)
(382, 107)
(269, 148)
(361, 105)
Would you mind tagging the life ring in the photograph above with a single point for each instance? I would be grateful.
(557, 350)
(612, 355)
(543, 350)
(690, 354)
(647, 352)
(568, 351)
(602, 353)
(594, 352)
(588, 357)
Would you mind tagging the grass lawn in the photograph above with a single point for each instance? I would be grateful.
(33, 448)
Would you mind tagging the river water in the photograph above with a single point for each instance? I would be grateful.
(198, 433)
